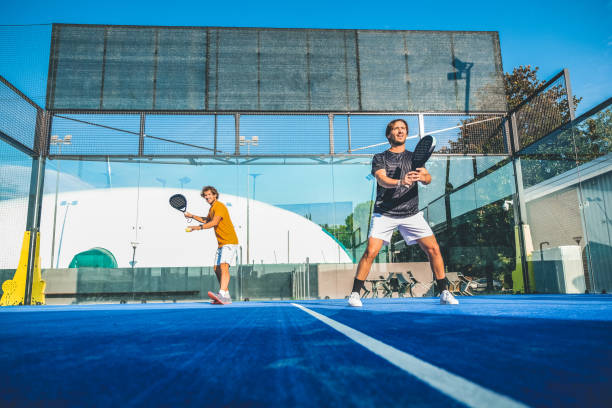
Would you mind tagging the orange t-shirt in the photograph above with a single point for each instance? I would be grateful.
(224, 231)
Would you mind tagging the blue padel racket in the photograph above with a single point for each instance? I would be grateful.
(423, 151)
(179, 202)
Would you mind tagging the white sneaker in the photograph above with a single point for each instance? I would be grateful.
(446, 298)
(354, 300)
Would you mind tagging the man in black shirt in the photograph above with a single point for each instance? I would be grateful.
(397, 206)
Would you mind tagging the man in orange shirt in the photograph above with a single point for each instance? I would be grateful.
(219, 219)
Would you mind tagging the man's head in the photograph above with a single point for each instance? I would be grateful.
(210, 194)
(397, 131)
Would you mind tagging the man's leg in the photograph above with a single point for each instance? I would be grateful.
(225, 276)
(218, 273)
(363, 268)
(430, 246)
(432, 249)
(223, 297)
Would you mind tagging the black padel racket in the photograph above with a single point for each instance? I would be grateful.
(423, 151)
(179, 202)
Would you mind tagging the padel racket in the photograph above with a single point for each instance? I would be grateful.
(179, 202)
(423, 151)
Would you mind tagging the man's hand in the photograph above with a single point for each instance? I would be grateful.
(421, 174)
(188, 214)
(409, 179)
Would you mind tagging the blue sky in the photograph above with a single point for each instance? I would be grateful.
(552, 35)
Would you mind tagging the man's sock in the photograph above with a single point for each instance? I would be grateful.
(357, 285)
(441, 284)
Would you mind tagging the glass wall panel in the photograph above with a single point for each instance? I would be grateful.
(461, 171)
(592, 135)
(567, 192)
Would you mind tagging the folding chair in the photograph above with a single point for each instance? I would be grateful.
(454, 283)
(418, 288)
(464, 285)
(385, 285)
(403, 284)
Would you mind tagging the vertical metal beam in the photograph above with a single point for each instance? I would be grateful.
(358, 70)
(142, 135)
(507, 136)
(37, 179)
(421, 126)
(516, 142)
(570, 96)
(103, 68)
(519, 202)
(215, 142)
(331, 133)
(237, 138)
(348, 127)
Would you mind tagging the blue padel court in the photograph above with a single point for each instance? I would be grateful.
(489, 351)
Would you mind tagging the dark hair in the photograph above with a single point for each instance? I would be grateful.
(209, 188)
(390, 126)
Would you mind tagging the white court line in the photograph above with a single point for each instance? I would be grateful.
(458, 388)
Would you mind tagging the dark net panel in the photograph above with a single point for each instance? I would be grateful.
(180, 73)
(284, 70)
(275, 69)
(333, 71)
(383, 72)
(77, 61)
(234, 73)
(129, 50)
(17, 117)
(477, 64)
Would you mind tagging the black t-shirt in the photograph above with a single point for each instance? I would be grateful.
(400, 201)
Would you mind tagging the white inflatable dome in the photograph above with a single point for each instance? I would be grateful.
(114, 219)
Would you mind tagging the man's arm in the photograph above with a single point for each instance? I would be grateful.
(388, 182)
(210, 224)
(203, 220)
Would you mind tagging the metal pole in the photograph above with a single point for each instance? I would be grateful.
(55, 209)
(307, 278)
(331, 133)
(570, 97)
(247, 220)
(421, 126)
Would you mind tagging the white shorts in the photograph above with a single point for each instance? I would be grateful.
(226, 254)
(412, 228)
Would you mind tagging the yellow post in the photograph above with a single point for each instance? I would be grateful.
(518, 282)
(14, 289)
